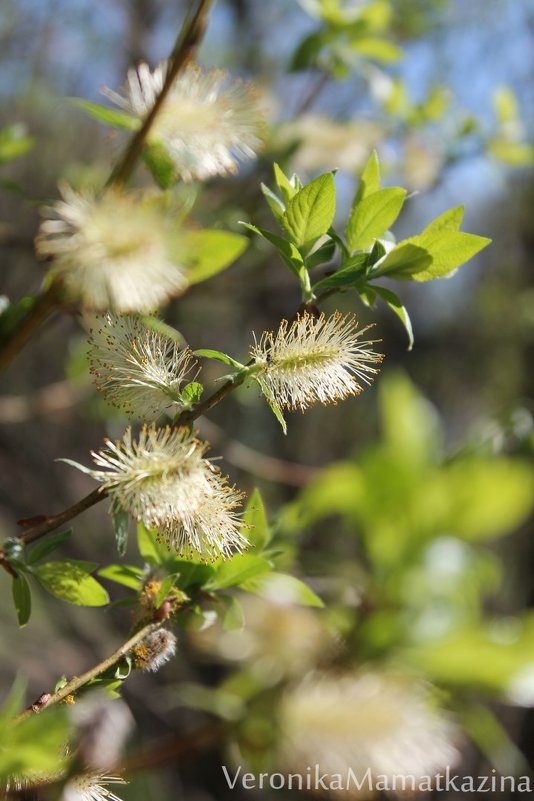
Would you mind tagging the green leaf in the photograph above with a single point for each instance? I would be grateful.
(396, 306)
(12, 704)
(275, 204)
(310, 213)
(450, 220)
(287, 250)
(121, 520)
(34, 745)
(347, 276)
(516, 154)
(486, 658)
(156, 553)
(373, 216)
(406, 259)
(160, 164)
(22, 599)
(160, 327)
(381, 50)
(14, 142)
(283, 588)
(127, 575)
(369, 179)
(306, 54)
(322, 255)
(255, 526)
(208, 353)
(211, 251)
(166, 585)
(192, 574)
(111, 116)
(237, 571)
(46, 546)
(283, 183)
(488, 497)
(272, 403)
(432, 254)
(191, 393)
(71, 581)
(505, 105)
(234, 617)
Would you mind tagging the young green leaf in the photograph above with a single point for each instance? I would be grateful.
(310, 213)
(287, 250)
(432, 254)
(272, 403)
(211, 251)
(11, 704)
(191, 574)
(369, 179)
(160, 165)
(234, 617)
(255, 526)
(283, 183)
(119, 119)
(166, 585)
(321, 255)
(71, 581)
(34, 744)
(127, 575)
(378, 49)
(395, 304)
(155, 553)
(208, 353)
(286, 588)
(275, 203)
(450, 220)
(110, 116)
(237, 570)
(14, 142)
(191, 393)
(22, 599)
(347, 276)
(46, 546)
(372, 216)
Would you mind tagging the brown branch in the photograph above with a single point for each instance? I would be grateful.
(184, 48)
(42, 309)
(79, 681)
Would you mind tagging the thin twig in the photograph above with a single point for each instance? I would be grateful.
(45, 305)
(79, 681)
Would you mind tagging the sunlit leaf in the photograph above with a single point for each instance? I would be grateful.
(210, 251)
(371, 217)
(309, 213)
(71, 581)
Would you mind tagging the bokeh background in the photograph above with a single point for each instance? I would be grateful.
(452, 120)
